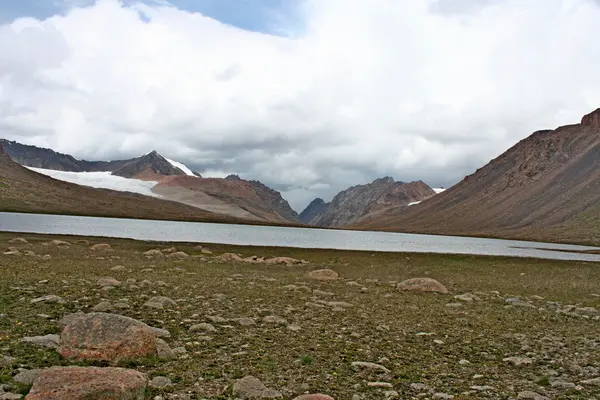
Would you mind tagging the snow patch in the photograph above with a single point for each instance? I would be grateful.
(413, 203)
(103, 180)
(181, 166)
(439, 190)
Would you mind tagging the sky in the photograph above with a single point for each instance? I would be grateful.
(308, 96)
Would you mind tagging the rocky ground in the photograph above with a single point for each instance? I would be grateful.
(117, 319)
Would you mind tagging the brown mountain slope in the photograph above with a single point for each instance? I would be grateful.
(359, 202)
(546, 187)
(23, 190)
(228, 196)
(151, 166)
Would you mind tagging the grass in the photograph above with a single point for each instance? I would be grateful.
(383, 326)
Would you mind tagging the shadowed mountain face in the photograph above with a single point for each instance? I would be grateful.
(316, 207)
(150, 167)
(546, 187)
(362, 201)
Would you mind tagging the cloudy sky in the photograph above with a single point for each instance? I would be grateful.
(308, 96)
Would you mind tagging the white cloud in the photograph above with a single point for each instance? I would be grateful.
(413, 89)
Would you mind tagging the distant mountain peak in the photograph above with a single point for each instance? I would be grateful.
(592, 119)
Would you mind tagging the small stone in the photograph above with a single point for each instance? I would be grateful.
(179, 255)
(391, 394)
(10, 396)
(442, 396)
(422, 285)
(275, 319)
(246, 321)
(161, 333)
(160, 382)
(153, 253)
(101, 247)
(59, 243)
(467, 297)
(50, 341)
(464, 362)
(250, 387)
(163, 351)
(358, 365)
(103, 307)
(323, 275)
(517, 361)
(591, 382)
(18, 240)
(482, 388)
(314, 397)
(438, 341)
(118, 268)
(419, 387)
(386, 385)
(322, 293)
(204, 327)
(217, 319)
(160, 302)
(108, 281)
(51, 298)
(531, 396)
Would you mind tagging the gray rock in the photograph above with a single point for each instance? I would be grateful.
(275, 319)
(67, 319)
(246, 321)
(467, 297)
(250, 387)
(361, 365)
(216, 319)
(203, 327)
(108, 281)
(443, 396)
(50, 298)
(160, 302)
(27, 377)
(419, 387)
(161, 333)
(103, 307)
(119, 268)
(163, 351)
(160, 382)
(50, 341)
(591, 382)
(518, 361)
(531, 396)
(10, 396)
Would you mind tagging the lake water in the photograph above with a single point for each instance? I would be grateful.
(280, 236)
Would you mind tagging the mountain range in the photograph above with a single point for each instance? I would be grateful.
(546, 187)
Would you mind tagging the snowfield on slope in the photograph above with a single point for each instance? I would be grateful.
(181, 166)
(103, 180)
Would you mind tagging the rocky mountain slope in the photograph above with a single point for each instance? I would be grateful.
(232, 196)
(358, 202)
(546, 187)
(24, 190)
(316, 207)
(272, 198)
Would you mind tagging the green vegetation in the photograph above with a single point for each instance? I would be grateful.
(417, 336)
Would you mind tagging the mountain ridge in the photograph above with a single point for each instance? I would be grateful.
(545, 187)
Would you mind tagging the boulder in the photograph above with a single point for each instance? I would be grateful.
(250, 387)
(106, 337)
(323, 275)
(164, 351)
(313, 397)
(88, 383)
(101, 247)
(160, 382)
(422, 285)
